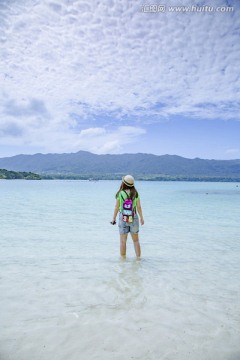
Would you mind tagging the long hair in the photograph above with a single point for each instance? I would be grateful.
(133, 191)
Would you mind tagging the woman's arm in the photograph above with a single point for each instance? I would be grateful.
(116, 209)
(139, 209)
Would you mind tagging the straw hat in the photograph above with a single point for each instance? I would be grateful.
(128, 180)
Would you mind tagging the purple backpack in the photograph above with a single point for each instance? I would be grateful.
(127, 209)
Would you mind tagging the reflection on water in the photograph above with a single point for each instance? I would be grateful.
(126, 283)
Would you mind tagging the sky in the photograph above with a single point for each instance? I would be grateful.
(120, 76)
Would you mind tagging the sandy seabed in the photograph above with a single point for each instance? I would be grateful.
(116, 309)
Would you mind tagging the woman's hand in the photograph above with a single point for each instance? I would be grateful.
(116, 209)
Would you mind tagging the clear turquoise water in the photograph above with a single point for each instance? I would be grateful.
(65, 291)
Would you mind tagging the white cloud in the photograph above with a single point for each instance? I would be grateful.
(95, 58)
(233, 151)
(50, 138)
(101, 141)
(92, 132)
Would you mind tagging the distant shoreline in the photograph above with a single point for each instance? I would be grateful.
(14, 175)
(140, 177)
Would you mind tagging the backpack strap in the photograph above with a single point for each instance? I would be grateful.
(126, 194)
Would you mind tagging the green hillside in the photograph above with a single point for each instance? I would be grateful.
(5, 174)
(82, 165)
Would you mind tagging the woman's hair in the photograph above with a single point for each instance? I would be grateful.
(133, 191)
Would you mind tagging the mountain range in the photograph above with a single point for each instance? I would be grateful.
(84, 162)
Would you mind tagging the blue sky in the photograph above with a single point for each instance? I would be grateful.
(107, 77)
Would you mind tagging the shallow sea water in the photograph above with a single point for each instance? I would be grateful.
(66, 294)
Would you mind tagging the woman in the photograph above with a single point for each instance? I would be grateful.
(127, 198)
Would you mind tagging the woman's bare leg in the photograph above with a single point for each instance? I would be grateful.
(123, 246)
(136, 243)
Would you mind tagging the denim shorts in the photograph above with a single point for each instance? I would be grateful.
(125, 228)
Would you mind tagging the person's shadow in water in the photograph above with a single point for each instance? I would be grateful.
(128, 285)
